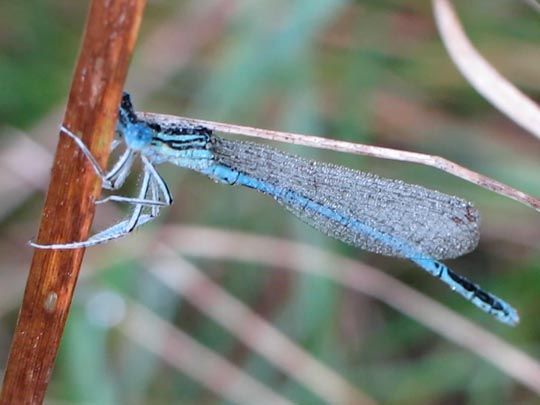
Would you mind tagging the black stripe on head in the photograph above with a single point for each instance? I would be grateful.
(179, 129)
(127, 113)
(183, 141)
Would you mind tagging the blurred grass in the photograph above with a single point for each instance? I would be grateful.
(319, 68)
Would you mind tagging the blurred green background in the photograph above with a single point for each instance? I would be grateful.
(367, 71)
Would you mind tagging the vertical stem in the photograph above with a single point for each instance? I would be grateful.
(109, 39)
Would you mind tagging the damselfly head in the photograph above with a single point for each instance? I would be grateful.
(138, 135)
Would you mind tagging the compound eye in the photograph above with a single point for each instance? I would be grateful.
(137, 136)
(146, 134)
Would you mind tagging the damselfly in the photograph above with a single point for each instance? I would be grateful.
(384, 216)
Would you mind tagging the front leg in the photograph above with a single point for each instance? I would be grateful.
(123, 228)
(153, 194)
(115, 178)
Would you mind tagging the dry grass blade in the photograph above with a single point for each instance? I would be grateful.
(109, 39)
(252, 330)
(361, 278)
(202, 364)
(481, 75)
(358, 149)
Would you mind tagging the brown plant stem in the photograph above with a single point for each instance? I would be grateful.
(109, 39)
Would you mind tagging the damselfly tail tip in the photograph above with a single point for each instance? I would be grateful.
(512, 317)
(504, 312)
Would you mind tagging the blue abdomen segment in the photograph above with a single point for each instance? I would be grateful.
(484, 300)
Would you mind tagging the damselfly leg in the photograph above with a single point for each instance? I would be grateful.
(153, 194)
